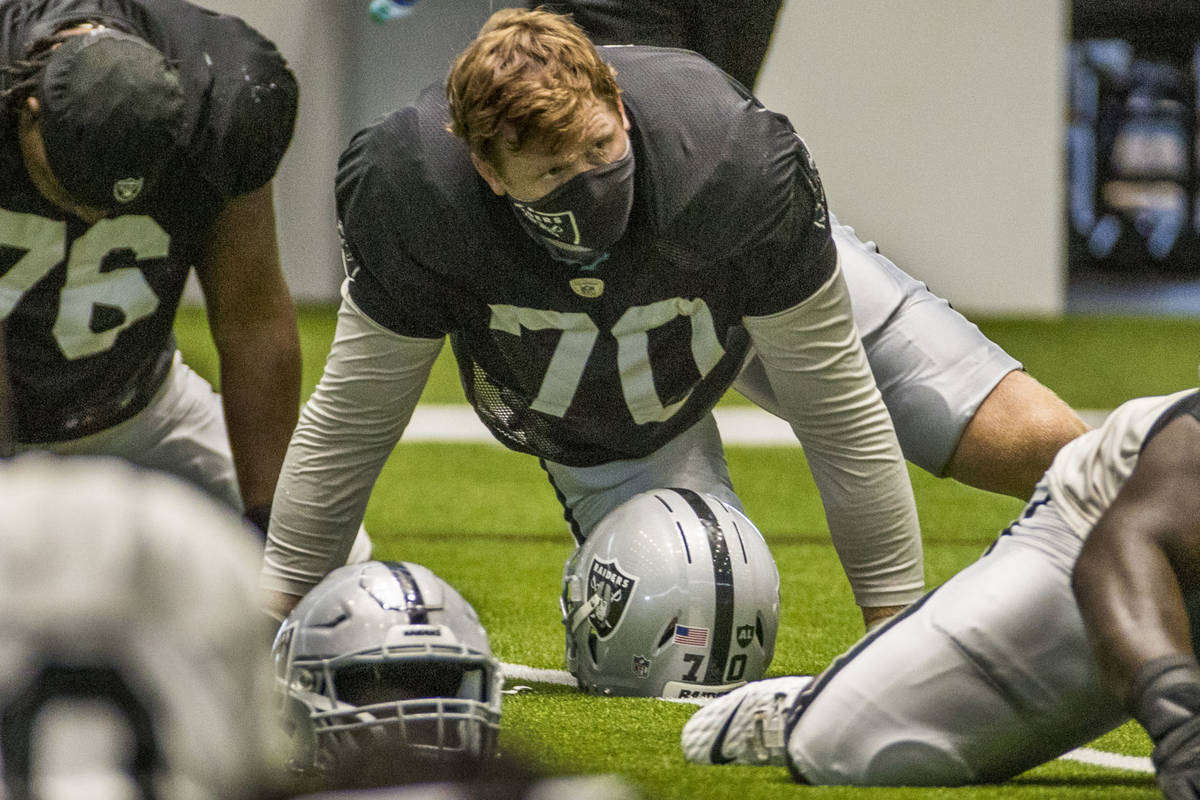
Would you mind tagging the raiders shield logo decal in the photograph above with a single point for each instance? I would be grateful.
(611, 589)
(587, 287)
(126, 190)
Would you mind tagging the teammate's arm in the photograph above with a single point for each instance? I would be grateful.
(348, 427)
(6, 409)
(819, 372)
(253, 324)
(1137, 566)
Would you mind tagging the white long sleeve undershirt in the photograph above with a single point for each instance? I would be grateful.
(373, 379)
(818, 370)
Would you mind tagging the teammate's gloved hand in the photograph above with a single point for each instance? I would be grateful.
(259, 517)
(1166, 701)
(875, 616)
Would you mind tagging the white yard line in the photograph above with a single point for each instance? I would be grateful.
(515, 673)
(739, 425)
(1102, 758)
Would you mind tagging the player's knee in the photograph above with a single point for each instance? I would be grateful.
(1013, 436)
(915, 762)
(904, 762)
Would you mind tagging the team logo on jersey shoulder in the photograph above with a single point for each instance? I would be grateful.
(126, 190)
(587, 287)
(611, 589)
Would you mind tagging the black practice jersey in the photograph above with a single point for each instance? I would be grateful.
(89, 309)
(583, 365)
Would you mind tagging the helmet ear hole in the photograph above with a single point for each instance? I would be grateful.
(758, 629)
(591, 644)
(668, 632)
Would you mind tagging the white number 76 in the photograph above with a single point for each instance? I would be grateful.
(125, 288)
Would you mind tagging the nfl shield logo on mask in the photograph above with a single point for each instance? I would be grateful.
(126, 190)
(610, 588)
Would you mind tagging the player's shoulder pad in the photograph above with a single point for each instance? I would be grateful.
(724, 173)
(252, 97)
(406, 171)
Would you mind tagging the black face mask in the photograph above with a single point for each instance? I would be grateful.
(582, 218)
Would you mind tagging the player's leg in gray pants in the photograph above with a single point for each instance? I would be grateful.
(987, 676)
(693, 460)
(934, 367)
(181, 432)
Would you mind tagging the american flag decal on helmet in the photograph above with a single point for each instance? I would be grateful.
(692, 637)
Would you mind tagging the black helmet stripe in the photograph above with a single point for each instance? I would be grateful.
(687, 549)
(417, 614)
(722, 584)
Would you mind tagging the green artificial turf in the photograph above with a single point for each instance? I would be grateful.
(486, 520)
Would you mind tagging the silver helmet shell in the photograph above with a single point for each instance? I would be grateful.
(673, 594)
(380, 654)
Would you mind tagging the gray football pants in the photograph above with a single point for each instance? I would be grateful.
(181, 432)
(985, 677)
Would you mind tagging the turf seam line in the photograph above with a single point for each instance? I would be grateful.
(433, 422)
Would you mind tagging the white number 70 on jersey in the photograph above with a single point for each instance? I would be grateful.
(579, 333)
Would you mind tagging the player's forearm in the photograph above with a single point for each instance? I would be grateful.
(260, 391)
(347, 429)
(1130, 601)
(818, 370)
(1142, 556)
(873, 523)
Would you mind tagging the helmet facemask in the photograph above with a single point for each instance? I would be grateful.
(421, 686)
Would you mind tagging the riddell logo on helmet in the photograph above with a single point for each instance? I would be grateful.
(126, 190)
(678, 690)
(689, 694)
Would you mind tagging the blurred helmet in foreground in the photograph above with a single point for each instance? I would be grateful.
(133, 660)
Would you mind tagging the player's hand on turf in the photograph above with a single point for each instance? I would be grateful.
(874, 616)
(1165, 699)
(1177, 761)
(277, 605)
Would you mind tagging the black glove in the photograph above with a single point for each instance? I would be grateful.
(259, 517)
(1166, 701)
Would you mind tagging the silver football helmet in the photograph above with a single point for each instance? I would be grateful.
(383, 653)
(673, 594)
